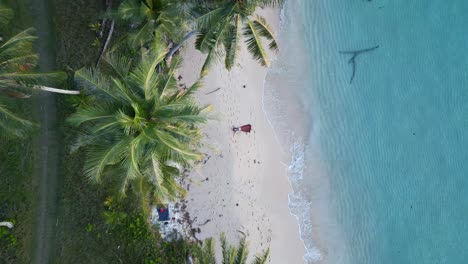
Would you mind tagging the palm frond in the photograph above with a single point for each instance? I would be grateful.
(242, 252)
(130, 10)
(98, 112)
(98, 157)
(208, 254)
(15, 63)
(210, 18)
(232, 43)
(142, 35)
(23, 37)
(254, 43)
(262, 259)
(270, 3)
(119, 63)
(189, 92)
(265, 31)
(6, 14)
(171, 142)
(209, 60)
(91, 80)
(30, 79)
(12, 124)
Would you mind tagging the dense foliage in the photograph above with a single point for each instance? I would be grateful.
(17, 61)
(135, 130)
(139, 126)
(205, 254)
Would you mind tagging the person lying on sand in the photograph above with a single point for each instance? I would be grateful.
(244, 128)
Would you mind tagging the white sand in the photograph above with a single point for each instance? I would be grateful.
(243, 185)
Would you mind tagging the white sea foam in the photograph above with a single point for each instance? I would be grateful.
(299, 205)
(283, 104)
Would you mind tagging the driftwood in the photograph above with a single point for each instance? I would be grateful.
(354, 54)
(215, 90)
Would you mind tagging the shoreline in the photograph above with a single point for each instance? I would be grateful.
(240, 187)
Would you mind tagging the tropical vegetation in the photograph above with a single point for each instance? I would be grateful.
(230, 253)
(224, 24)
(139, 127)
(19, 76)
(133, 128)
(143, 17)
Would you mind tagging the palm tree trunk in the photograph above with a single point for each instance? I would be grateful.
(7, 224)
(178, 46)
(111, 30)
(56, 90)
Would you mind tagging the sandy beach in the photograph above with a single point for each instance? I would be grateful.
(241, 187)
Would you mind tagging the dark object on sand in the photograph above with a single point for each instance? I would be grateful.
(163, 214)
(244, 128)
(217, 89)
(352, 61)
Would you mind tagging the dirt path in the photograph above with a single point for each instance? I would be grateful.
(47, 154)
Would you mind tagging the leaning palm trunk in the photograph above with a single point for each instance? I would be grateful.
(56, 90)
(7, 224)
(178, 46)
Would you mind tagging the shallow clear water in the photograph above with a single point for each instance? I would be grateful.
(393, 144)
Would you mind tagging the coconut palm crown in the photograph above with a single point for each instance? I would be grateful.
(224, 24)
(17, 61)
(172, 17)
(140, 130)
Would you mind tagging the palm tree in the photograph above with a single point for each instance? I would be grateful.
(170, 17)
(231, 254)
(17, 59)
(139, 130)
(225, 23)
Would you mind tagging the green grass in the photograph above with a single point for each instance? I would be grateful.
(16, 194)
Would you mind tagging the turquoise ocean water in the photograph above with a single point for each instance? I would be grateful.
(379, 166)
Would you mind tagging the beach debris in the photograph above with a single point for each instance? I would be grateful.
(173, 222)
(206, 160)
(241, 232)
(215, 90)
(244, 86)
(352, 60)
(183, 86)
(206, 222)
